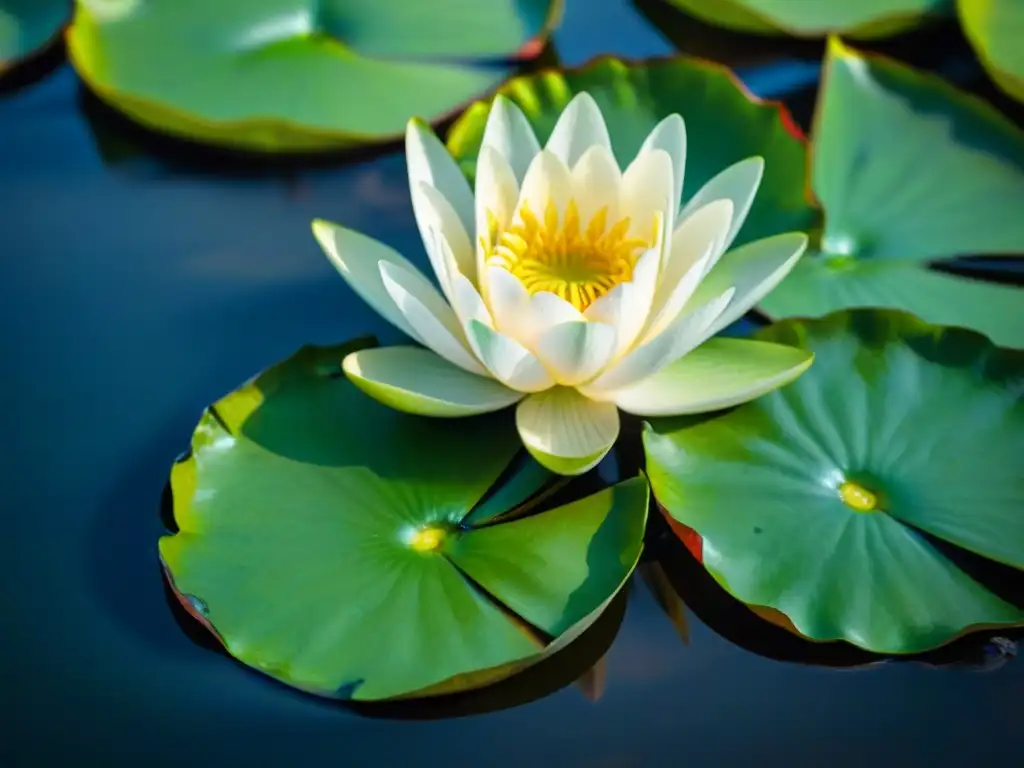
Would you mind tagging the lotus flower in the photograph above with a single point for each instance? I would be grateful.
(568, 286)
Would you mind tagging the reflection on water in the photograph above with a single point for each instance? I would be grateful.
(142, 280)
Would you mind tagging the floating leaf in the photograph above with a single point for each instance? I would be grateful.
(329, 541)
(996, 29)
(724, 124)
(814, 18)
(908, 170)
(289, 75)
(828, 500)
(27, 26)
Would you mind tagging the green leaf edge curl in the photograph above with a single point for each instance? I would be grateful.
(25, 55)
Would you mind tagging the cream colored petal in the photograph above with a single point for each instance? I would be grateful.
(356, 257)
(566, 432)
(508, 360)
(627, 305)
(597, 183)
(647, 190)
(580, 126)
(576, 351)
(670, 135)
(696, 247)
(437, 219)
(684, 334)
(510, 134)
(547, 180)
(496, 194)
(521, 315)
(753, 270)
(434, 320)
(468, 304)
(416, 380)
(429, 161)
(737, 183)
(718, 374)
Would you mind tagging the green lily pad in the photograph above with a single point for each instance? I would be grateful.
(825, 500)
(293, 75)
(995, 29)
(28, 26)
(724, 124)
(856, 18)
(909, 170)
(332, 542)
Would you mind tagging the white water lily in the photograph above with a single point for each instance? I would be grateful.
(568, 285)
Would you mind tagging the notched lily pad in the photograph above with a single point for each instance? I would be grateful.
(341, 547)
(866, 19)
(908, 171)
(724, 124)
(28, 26)
(841, 500)
(295, 75)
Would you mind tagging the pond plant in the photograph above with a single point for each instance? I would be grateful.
(370, 522)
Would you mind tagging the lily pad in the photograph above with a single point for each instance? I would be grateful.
(28, 26)
(860, 18)
(724, 124)
(909, 170)
(995, 29)
(293, 75)
(827, 500)
(332, 542)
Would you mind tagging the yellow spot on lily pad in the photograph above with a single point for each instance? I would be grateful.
(857, 497)
(427, 539)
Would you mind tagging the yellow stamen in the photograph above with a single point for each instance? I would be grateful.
(580, 264)
(427, 539)
(857, 497)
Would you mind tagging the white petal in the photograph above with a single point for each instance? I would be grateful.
(437, 219)
(670, 135)
(574, 352)
(647, 189)
(468, 303)
(508, 360)
(738, 183)
(689, 330)
(579, 127)
(547, 180)
(753, 270)
(356, 257)
(521, 315)
(434, 320)
(627, 306)
(696, 246)
(429, 161)
(496, 194)
(510, 134)
(566, 432)
(720, 373)
(416, 380)
(597, 183)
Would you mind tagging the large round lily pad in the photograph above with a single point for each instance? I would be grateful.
(995, 29)
(825, 499)
(814, 18)
(908, 170)
(357, 552)
(279, 75)
(724, 124)
(27, 26)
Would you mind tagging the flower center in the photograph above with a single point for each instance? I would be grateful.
(580, 264)
(427, 539)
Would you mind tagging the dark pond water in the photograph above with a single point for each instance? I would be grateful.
(139, 281)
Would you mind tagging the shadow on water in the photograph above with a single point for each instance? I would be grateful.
(983, 650)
